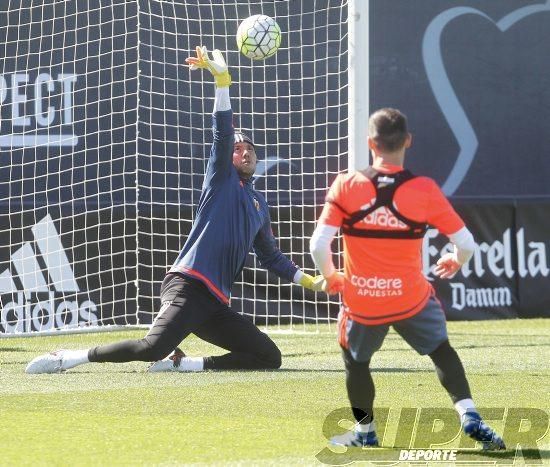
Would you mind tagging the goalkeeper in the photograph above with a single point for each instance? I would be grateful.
(384, 212)
(232, 218)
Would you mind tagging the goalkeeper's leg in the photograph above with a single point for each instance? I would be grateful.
(249, 348)
(164, 336)
(186, 305)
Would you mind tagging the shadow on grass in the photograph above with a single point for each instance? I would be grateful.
(469, 347)
(341, 370)
(483, 334)
(278, 372)
(310, 354)
(281, 371)
(485, 346)
(512, 454)
(14, 349)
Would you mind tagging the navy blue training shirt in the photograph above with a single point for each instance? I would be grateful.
(232, 219)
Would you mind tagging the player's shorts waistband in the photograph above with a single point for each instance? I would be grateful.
(368, 319)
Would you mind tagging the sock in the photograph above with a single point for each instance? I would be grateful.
(365, 427)
(465, 405)
(72, 358)
(191, 364)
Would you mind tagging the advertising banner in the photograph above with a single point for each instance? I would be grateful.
(487, 286)
(469, 75)
(67, 273)
(508, 274)
(506, 277)
(104, 140)
(533, 249)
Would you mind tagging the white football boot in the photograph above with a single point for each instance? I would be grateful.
(48, 363)
(170, 363)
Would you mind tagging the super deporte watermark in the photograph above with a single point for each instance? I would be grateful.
(434, 435)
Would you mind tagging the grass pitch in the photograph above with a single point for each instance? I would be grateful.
(116, 414)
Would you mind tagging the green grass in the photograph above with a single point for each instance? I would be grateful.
(116, 414)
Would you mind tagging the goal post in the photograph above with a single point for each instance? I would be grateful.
(358, 83)
(107, 132)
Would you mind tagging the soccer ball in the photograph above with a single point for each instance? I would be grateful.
(258, 37)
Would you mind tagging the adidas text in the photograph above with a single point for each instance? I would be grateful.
(45, 312)
(38, 288)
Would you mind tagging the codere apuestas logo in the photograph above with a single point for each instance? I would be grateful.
(34, 299)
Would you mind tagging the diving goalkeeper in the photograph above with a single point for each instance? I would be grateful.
(232, 218)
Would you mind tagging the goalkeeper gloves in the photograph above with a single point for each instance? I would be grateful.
(217, 66)
(312, 283)
(331, 285)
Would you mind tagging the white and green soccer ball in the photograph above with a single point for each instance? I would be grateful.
(258, 37)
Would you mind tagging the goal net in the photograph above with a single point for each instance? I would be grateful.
(104, 139)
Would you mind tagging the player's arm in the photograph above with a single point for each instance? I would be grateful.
(444, 218)
(464, 246)
(221, 154)
(320, 243)
(273, 259)
(321, 252)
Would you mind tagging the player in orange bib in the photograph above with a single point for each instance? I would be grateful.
(384, 212)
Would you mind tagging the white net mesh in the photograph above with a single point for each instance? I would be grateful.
(68, 107)
(105, 135)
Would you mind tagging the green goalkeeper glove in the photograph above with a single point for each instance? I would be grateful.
(312, 283)
(217, 66)
(331, 285)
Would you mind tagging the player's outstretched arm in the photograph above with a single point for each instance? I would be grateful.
(279, 264)
(274, 260)
(220, 164)
(216, 66)
(219, 70)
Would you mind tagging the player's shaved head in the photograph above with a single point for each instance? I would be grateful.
(388, 129)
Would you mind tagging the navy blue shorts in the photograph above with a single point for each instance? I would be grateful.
(424, 332)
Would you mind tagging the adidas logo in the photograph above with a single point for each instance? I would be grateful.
(384, 180)
(383, 217)
(36, 295)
